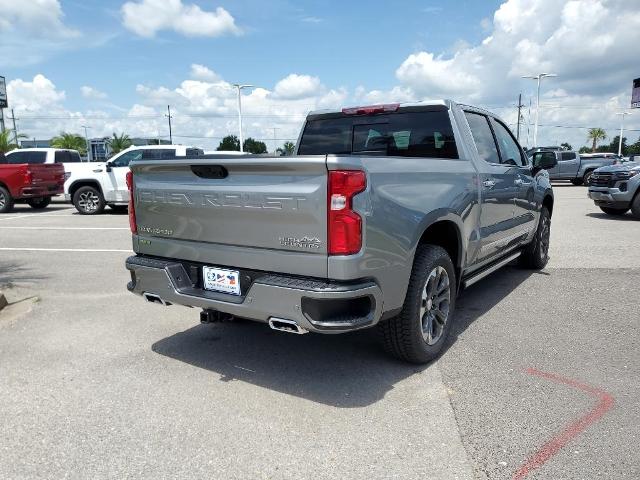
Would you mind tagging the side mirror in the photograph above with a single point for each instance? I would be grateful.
(108, 166)
(544, 160)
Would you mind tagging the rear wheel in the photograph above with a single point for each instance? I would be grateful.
(577, 181)
(614, 211)
(421, 329)
(39, 203)
(536, 253)
(6, 201)
(587, 177)
(88, 201)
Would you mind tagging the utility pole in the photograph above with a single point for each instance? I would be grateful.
(275, 147)
(1, 120)
(622, 114)
(539, 78)
(86, 139)
(15, 130)
(169, 117)
(519, 115)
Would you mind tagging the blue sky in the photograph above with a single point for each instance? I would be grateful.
(344, 43)
(115, 65)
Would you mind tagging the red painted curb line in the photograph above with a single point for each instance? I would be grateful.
(555, 444)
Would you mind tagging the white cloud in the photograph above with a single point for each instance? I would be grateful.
(145, 18)
(296, 86)
(200, 72)
(36, 95)
(92, 93)
(40, 18)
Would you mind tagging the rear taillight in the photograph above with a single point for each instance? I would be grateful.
(344, 226)
(132, 209)
(28, 177)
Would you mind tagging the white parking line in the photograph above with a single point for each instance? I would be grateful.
(38, 215)
(64, 228)
(19, 249)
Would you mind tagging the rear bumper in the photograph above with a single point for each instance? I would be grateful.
(32, 191)
(315, 305)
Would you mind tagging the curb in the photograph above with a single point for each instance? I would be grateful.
(3, 301)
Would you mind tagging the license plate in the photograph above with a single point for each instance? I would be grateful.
(221, 280)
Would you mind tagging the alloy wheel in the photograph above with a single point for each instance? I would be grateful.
(88, 201)
(434, 306)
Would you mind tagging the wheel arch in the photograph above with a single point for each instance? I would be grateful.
(548, 202)
(446, 232)
(75, 186)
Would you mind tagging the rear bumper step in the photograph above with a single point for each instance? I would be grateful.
(312, 304)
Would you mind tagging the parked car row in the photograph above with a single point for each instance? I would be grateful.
(575, 167)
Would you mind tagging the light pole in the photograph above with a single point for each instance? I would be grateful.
(622, 114)
(539, 78)
(86, 139)
(239, 87)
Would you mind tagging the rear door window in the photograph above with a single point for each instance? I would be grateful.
(62, 157)
(158, 153)
(124, 159)
(403, 134)
(26, 157)
(483, 137)
(568, 156)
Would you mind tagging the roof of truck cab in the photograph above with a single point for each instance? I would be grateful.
(42, 149)
(424, 103)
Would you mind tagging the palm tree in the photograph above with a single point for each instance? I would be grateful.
(596, 134)
(71, 141)
(6, 142)
(119, 143)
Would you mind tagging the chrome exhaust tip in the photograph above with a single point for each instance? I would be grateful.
(284, 325)
(153, 298)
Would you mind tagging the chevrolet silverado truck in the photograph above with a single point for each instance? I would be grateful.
(616, 189)
(383, 214)
(26, 178)
(577, 168)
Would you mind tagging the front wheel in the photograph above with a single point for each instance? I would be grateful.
(421, 329)
(536, 253)
(6, 200)
(614, 211)
(88, 201)
(39, 203)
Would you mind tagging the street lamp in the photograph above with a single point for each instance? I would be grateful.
(86, 139)
(239, 87)
(622, 114)
(538, 77)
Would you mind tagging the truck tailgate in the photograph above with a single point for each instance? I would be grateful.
(47, 174)
(263, 213)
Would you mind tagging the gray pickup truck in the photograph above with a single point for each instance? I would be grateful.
(577, 168)
(616, 189)
(381, 217)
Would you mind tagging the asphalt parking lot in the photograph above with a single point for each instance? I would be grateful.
(541, 380)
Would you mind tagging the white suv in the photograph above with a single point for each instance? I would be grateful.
(97, 185)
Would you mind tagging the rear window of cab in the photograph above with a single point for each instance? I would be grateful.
(403, 134)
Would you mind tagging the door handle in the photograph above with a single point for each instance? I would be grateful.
(97, 170)
(489, 184)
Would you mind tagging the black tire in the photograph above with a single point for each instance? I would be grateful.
(577, 181)
(635, 206)
(536, 254)
(404, 336)
(119, 208)
(88, 201)
(39, 203)
(614, 211)
(6, 200)
(587, 177)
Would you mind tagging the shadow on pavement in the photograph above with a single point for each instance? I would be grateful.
(11, 273)
(619, 218)
(345, 371)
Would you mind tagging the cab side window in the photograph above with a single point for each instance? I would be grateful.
(483, 137)
(510, 153)
(126, 158)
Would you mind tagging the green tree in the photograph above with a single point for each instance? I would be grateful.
(119, 143)
(254, 146)
(566, 146)
(6, 141)
(287, 149)
(596, 134)
(72, 141)
(229, 143)
(584, 150)
(613, 146)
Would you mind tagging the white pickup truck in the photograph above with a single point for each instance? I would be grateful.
(98, 184)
